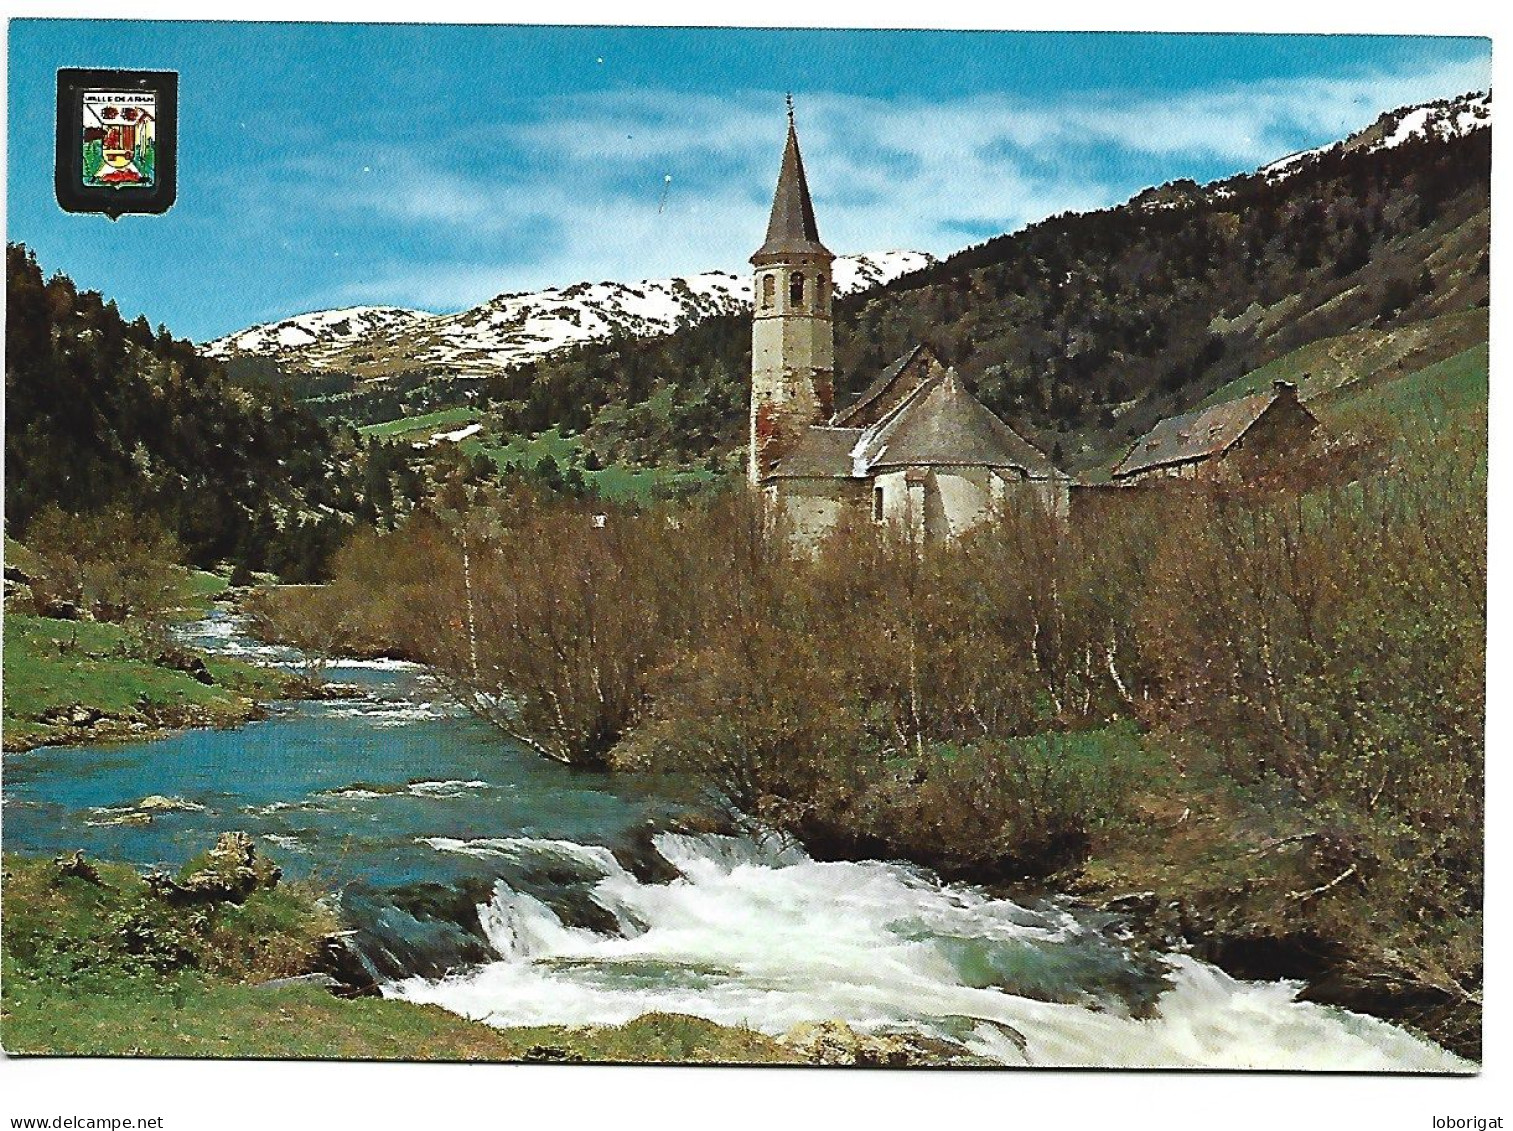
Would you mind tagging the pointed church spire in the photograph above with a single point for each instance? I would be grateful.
(791, 228)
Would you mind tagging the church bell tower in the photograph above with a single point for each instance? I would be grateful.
(792, 336)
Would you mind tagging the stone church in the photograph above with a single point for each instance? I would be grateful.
(917, 448)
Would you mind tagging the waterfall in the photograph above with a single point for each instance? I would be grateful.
(763, 936)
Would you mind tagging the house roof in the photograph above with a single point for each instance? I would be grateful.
(941, 424)
(821, 453)
(878, 388)
(791, 228)
(1197, 435)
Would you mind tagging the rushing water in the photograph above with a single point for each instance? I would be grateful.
(508, 888)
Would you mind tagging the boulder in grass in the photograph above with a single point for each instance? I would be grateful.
(227, 873)
(73, 865)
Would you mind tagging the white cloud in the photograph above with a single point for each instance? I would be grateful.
(577, 193)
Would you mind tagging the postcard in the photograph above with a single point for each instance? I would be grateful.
(805, 548)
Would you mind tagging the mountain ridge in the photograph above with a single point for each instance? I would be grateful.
(1082, 330)
(373, 342)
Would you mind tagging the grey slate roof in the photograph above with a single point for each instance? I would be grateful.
(940, 424)
(1197, 435)
(879, 387)
(821, 453)
(943, 425)
(791, 228)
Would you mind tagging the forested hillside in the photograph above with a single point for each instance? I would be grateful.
(102, 412)
(1085, 329)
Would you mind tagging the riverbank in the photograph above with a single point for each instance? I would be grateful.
(73, 682)
(1152, 824)
(1213, 873)
(1255, 882)
(100, 961)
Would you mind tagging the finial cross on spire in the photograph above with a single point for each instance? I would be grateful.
(789, 98)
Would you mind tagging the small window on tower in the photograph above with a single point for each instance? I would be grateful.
(769, 289)
(877, 504)
(796, 289)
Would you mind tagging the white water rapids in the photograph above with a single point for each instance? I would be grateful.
(767, 938)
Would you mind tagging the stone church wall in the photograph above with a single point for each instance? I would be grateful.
(812, 508)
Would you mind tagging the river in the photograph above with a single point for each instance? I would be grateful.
(508, 888)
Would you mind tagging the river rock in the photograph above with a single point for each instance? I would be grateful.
(184, 660)
(157, 803)
(551, 1054)
(74, 865)
(1132, 903)
(836, 1043)
(59, 609)
(109, 817)
(320, 981)
(343, 964)
(229, 872)
(72, 714)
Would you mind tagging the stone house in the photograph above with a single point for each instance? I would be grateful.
(916, 449)
(1226, 443)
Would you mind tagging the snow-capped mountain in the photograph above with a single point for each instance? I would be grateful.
(326, 328)
(1442, 120)
(379, 341)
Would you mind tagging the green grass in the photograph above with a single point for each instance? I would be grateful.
(1362, 356)
(616, 483)
(1424, 400)
(54, 664)
(195, 1016)
(201, 588)
(528, 451)
(442, 420)
(72, 985)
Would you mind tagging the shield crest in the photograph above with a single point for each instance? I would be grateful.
(119, 139)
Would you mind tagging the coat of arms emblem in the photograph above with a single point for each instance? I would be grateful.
(116, 141)
(120, 148)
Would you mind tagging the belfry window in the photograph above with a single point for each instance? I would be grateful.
(769, 289)
(796, 289)
(819, 293)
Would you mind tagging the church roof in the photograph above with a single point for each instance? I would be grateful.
(791, 228)
(943, 425)
(821, 453)
(875, 391)
(939, 424)
(1198, 435)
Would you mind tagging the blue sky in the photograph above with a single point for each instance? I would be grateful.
(334, 165)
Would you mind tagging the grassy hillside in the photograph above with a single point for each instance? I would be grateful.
(1421, 402)
(422, 426)
(75, 681)
(618, 482)
(1371, 355)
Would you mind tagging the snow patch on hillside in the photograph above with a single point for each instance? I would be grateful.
(323, 327)
(516, 327)
(1443, 120)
